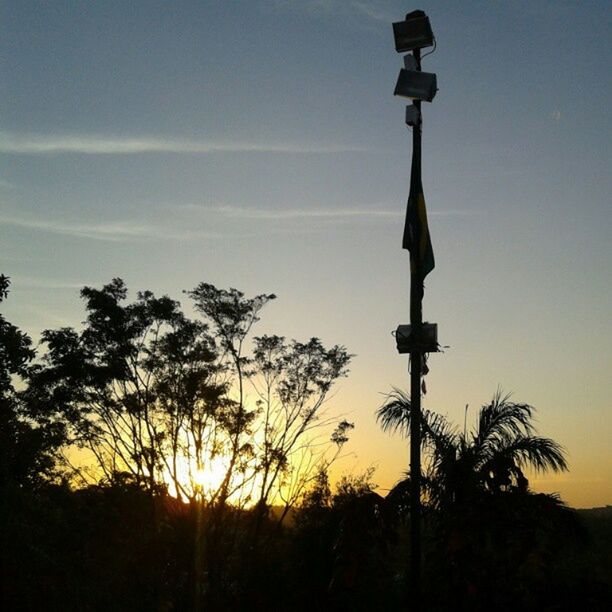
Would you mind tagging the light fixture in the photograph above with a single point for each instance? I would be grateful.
(416, 85)
(424, 338)
(413, 33)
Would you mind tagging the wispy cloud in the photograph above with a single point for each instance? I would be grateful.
(360, 8)
(115, 232)
(373, 11)
(28, 282)
(33, 144)
(134, 231)
(295, 213)
(120, 231)
(240, 212)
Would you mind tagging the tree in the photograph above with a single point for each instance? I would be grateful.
(15, 346)
(103, 383)
(232, 316)
(29, 440)
(192, 402)
(274, 445)
(345, 546)
(164, 399)
(292, 382)
(490, 459)
(488, 538)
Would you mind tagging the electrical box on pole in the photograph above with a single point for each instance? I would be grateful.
(422, 338)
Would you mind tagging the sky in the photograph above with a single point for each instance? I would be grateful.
(257, 144)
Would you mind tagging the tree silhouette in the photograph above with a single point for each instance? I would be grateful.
(489, 539)
(29, 440)
(160, 397)
(292, 381)
(144, 388)
(490, 459)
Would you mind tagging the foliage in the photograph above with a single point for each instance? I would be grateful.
(28, 439)
(292, 383)
(15, 346)
(164, 399)
(478, 506)
(490, 459)
(143, 387)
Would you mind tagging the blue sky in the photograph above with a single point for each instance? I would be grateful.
(258, 145)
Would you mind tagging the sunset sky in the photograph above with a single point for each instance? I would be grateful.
(257, 144)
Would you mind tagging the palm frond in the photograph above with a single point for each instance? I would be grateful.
(499, 422)
(537, 453)
(459, 467)
(395, 416)
(439, 439)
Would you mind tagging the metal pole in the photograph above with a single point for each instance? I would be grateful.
(416, 320)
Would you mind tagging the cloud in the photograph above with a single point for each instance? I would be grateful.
(239, 212)
(133, 231)
(28, 282)
(294, 213)
(373, 11)
(32, 144)
(360, 8)
(114, 232)
(120, 231)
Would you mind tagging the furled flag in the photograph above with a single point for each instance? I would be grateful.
(416, 232)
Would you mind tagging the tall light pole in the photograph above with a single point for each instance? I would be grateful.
(418, 338)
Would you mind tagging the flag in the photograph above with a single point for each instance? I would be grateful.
(416, 231)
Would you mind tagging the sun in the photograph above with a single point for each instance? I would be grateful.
(193, 480)
(210, 477)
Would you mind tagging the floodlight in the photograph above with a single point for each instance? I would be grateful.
(413, 33)
(416, 85)
(425, 340)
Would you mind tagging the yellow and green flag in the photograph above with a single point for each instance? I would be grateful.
(416, 231)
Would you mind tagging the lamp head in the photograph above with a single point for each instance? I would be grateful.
(416, 85)
(413, 33)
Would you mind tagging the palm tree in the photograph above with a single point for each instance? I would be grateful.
(460, 466)
(484, 531)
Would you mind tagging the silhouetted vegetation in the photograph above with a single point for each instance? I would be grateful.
(150, 461)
